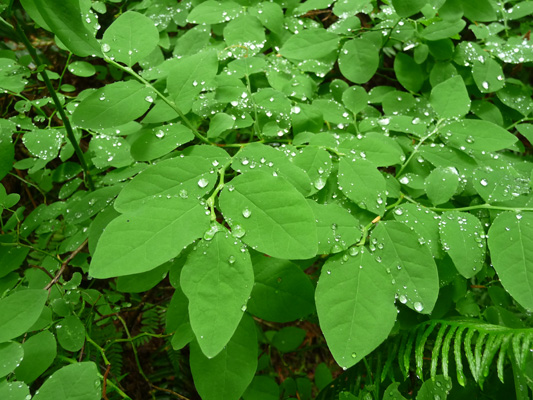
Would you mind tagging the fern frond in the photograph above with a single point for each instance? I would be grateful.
(475, 341)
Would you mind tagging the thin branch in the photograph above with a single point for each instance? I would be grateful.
(65, 264)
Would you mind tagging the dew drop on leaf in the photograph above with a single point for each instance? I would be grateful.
(202, 182)
(418, 306)
(246, 213)
(106, 48)
(238, 231)
(231, 260)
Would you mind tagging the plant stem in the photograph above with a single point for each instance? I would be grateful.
(169, 102)
(484, 206)
(59, 107)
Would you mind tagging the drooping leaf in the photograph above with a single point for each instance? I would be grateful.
(245, 36)
(488, 75)
(282, 292)
(226, 376)
(217, 278)
(214, 12)
(408, 72)
(11, 354)
(362, 183)
(406, 8)
(463, 239)
(355, 305)
(411, 264)
(159, 141)
(145, 238)
(270, 215)
(511, 247)
(113, 105)
(75, 381)
(20, 311)
(64, 19)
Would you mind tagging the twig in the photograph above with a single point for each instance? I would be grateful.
(179, 396)
(64, 265)
(104, 384)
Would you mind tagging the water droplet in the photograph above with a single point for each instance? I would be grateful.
(238, 231)
(183, 194)
(246, 213)
(149, 99)
(210, 234)
(160, 134)
(485, 85)
(319, 183)
(418, 306)
(483, 182)
(354, 355)
(231, 259)
(398, 211)
(243, 308)
(402, 299)
(202, 182)
(106, 48)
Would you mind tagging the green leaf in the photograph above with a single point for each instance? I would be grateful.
(262, 388)
(450, 98)
(181, 176)
(189, 75)
(463, 238)
(288, 339)
(13, 76)
(409, 260)
(214, 12)
(359, 60)
(64, 19)
(130, 38)
(439, 30)
(337, 229)
(362, 183)
(226, 376)
(245, 36)
(392, 392)
(441, 184)
(500, 183)
(14, 391)
(477, 135)
(82, 68)
(488, 75)
(43, 143)
(39, 353)
(217, 278)
(435, 388)
(406, 8)
(145, 238)
(110, 151)
(113, 105)
(317, 163)
(511, 247)
(519, 10)
(156, 142)
(355, 305)
(380, 150)
(355, 99)
(310, 44)
(11, 257)
(270, 215)
(11, 354)
(20, 311)
(257, 156)
(424, 222)
(408, 72)
(282, 292)
(479, 10)
(219, 124)
(142, 282)
(70, 333)
(76, 381)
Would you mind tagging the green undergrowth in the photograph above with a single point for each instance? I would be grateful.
(266, 200)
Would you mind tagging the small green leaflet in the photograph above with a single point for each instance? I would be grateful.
(14, 390)
(43, 143)
(214, 12)
(436, 388)
(450, 98)
(406, 8)
(355, 99)
(183, 176)
(337, 229)
(310, 44)
(282, 292)
(359, 60)
(64, 19)
(40, 351)
(317, 163)
(70, 333)
(20, 311)
(75, 381)
(145, 238)
(408, 259)
(362, 183)
(189, 75)
(270, 215)
(441, 184)
(245, 36)
(355, 305)
(156, 142)
(477, 135)
(463, 238)
(409, 73)
(511, 247)
(12, 75)
(488, 75)
(500, 183)
(217, 278)
(380, 150)
(177, 320)
(11, 354)
(130, 38)
(113, 105)
(226, 376)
